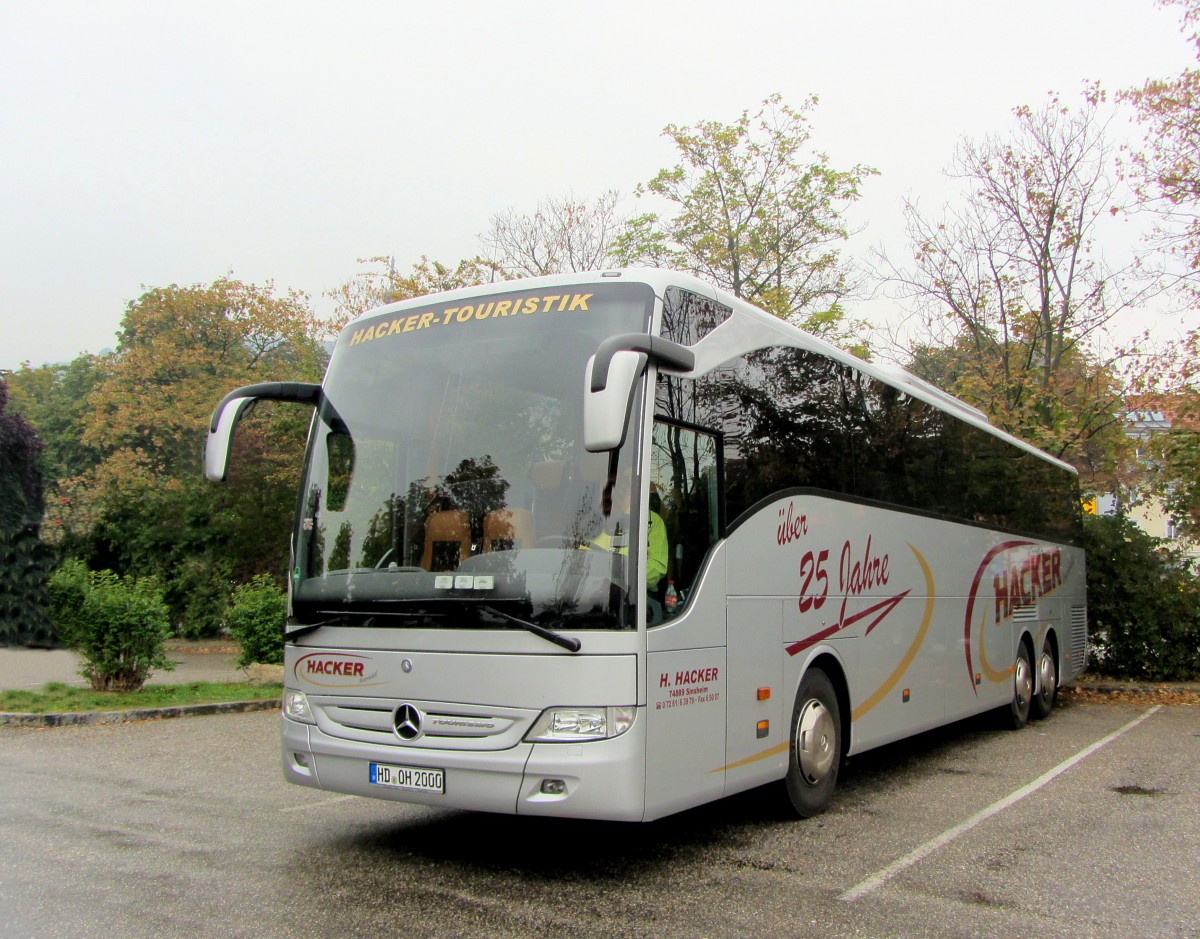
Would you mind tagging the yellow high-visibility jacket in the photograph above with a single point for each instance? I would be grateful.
(656, 550)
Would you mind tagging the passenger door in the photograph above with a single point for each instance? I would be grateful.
(687, 685)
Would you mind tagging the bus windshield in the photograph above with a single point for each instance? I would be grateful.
(445, 482)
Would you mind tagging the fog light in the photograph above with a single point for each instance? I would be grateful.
(554, 787)
(301, 759)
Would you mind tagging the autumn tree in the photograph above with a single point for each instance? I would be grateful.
(1173, 387)
(752, 208)
(1011, 283)
(1166, 170)
(1166, 174)
(180, 350)
(562, 234)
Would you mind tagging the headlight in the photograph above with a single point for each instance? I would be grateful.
(295, 706)
(572, 725)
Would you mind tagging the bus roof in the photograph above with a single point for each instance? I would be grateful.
(749, 329)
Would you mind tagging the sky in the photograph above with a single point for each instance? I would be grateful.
(147, 144)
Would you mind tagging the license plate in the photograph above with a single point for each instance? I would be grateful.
(413, 778)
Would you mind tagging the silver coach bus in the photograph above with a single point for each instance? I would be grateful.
(612, 545)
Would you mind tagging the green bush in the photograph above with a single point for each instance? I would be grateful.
(67, 589)
(200, 590)
(256, 618)
(118, 625)
(25, 565)
(1143, 604)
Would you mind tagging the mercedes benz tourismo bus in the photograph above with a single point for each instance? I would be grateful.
(611, 545)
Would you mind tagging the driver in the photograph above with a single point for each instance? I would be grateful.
(656, 536)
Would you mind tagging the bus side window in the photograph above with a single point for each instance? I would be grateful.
(684, 491)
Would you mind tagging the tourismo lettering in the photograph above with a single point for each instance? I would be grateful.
(1025, 583)
(467, 313)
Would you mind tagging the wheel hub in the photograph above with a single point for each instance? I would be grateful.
(1023, 678)
(815, 739)
(1046, 669)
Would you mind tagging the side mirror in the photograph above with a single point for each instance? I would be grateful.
(231, 409)
(609, 381)
(606, 412)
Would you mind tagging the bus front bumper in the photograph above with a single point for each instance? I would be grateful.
(599, 779)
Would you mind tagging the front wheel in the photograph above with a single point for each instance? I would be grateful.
(1022, 699)
(815, 747)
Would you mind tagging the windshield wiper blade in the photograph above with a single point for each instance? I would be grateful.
(306, 628)
(570, 643)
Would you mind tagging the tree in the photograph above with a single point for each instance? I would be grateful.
(180, 350)
(1173, 387)
(1166, 174)
(20, 481)
(751, 209)
(563, 234)
(24, 562)
(53, 398)
(1011, 286)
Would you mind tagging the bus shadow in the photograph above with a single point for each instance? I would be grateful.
(567, 850)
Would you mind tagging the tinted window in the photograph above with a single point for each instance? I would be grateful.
(688, 317)
(793, 419)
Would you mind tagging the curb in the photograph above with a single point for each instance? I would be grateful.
(16, 719)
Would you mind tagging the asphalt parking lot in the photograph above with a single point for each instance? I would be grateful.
(184, 827)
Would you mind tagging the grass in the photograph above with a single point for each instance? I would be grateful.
(59, 697)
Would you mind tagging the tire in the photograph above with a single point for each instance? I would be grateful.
(815, 745)
(1047, 675)
(1022, 699)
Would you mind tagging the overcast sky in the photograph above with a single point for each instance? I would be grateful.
(158, 143)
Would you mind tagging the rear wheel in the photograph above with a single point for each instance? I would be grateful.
(1022, 699)
(1047, 674)
(815, 750)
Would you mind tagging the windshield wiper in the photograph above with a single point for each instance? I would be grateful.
(362, 619)
(570, 643)
(567, 642)
(305, 628)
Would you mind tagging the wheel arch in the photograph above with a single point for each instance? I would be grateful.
(1026, 640)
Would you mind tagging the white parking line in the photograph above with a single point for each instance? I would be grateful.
(881, 877)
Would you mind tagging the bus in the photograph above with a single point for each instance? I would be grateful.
(611, 545)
